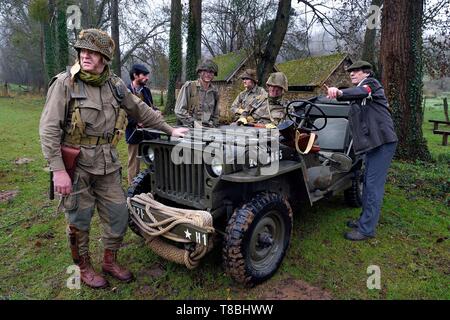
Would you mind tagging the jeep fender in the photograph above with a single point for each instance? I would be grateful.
(254, 174)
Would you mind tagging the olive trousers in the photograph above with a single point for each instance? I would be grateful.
(101, 192)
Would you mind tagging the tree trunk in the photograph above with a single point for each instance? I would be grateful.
(275, 40)
(87, 9)
(50, 42)
(63, 42)
(369, 47)
(402, 71)
(174, 54)
(115, 36)
(193, 53)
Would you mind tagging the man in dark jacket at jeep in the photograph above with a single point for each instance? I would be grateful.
(139, 76)
(373, 134)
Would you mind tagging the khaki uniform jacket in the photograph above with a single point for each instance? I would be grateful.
(206, 113)
(98, 111)
(269, 112)
(247, 100)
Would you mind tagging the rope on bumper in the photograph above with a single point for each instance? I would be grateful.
(154, 229)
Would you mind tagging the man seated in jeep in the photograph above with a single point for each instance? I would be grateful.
(272, 110)
(250, 98)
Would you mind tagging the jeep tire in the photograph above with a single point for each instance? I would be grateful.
(353, 195)
(257, 237)
(140, 184)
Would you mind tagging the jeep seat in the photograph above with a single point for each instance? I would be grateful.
(335, 137)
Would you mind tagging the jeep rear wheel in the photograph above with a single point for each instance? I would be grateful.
(257, 237)
(140, 184)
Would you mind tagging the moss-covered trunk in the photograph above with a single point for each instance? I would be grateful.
(402, 71)
(193, 53)
(174, 54)
(51, 66)
(63, 42)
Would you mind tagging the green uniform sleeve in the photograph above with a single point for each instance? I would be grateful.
(52, 123)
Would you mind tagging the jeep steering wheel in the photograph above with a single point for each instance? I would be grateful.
(302, 118)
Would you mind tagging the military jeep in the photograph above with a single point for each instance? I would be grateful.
(249, 198)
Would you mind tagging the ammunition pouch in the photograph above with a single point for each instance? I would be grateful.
(193, 101)
(119, 128)
(76, 134)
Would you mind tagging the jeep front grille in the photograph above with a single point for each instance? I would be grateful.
(183, 182)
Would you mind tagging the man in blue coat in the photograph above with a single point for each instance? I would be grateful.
(139, 76)
(373, 135)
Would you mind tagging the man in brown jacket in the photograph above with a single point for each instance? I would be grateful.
(86, 109)
(198, 101)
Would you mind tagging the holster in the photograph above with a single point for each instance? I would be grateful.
(70, 157)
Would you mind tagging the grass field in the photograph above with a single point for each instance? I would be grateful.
(411, 247)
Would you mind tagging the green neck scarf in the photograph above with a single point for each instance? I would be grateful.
(275, 100)
(96, 80)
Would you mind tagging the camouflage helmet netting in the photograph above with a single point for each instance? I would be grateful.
(96, 40)
(208, 65)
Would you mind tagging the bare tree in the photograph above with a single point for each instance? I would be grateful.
(117, 66)
(231, 25)
(275, 40)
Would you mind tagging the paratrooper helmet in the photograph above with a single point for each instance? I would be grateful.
(278, 79)
(96, 40)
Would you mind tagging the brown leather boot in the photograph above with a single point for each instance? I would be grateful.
(111, 267)
(89, 276)
(87, 272)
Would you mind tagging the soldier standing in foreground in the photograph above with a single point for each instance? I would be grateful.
(198, 101)
(250, 97)
(84, 117)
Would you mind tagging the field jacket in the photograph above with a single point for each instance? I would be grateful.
(99, 109)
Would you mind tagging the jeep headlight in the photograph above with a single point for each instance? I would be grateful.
(216, 166)
(149, 154)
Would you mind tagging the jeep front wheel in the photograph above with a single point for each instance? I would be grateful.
(257, 237)
(140, 184)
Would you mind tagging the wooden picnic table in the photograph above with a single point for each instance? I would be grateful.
(444, 133)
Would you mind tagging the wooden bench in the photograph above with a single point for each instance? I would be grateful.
(444, 133)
